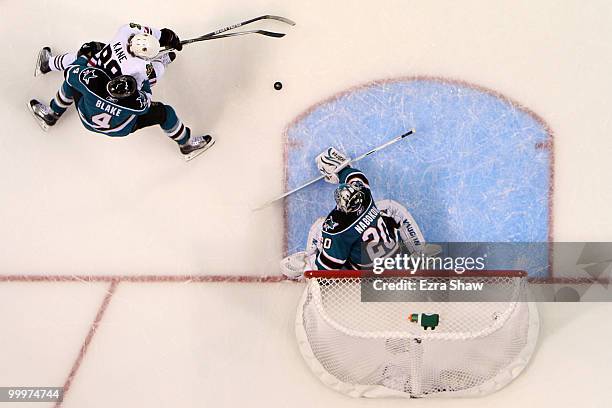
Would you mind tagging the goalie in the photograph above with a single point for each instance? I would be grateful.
(358, 230)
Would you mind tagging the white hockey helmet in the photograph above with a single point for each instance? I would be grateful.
(144, 46)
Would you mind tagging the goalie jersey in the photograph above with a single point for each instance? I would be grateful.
(353, 240)
(98, 111)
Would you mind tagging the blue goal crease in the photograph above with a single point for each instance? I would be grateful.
(473, 171)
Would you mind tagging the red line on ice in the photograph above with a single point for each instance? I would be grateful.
(144, 278)
(92, 331)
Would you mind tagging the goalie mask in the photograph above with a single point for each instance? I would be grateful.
(349, 197)
(122, 86)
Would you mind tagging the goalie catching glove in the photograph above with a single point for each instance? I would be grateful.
(330, 162)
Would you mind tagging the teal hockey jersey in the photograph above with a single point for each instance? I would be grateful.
(97, 109)
(353, 240)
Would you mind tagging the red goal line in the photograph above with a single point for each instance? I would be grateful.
(421, 273)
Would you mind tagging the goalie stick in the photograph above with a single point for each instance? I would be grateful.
(216, 34)
(374, 150)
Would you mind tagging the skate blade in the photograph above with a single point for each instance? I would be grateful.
(40, 122)
(195, 154)
(37, 70)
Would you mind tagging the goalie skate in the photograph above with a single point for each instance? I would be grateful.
(42, 62)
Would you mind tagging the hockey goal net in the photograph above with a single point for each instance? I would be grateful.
(380, 336)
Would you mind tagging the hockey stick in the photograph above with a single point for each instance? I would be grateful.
(374, 150)
(214, 37)
(234, 26)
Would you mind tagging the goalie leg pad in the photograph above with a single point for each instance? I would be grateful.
(315, 241)
(294, 266)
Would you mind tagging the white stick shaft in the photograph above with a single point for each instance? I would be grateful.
(389, 143)
(297, 188)
(374, 150)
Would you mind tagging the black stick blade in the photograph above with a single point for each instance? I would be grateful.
(262, 32)
(282, 19)
(270, 33)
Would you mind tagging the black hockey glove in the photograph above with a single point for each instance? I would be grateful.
(90, 49)
(170, 39)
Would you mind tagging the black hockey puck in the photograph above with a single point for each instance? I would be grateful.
(278, 86)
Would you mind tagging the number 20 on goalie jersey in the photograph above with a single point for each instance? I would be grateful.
(353, 240)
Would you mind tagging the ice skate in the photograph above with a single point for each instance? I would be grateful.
(43, 114)
(42, 62)
(196, 146)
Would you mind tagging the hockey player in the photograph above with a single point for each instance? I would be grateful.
(115, 107)
(133, 51)
(358, 230)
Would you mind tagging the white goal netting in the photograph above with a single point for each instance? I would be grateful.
(428, 343)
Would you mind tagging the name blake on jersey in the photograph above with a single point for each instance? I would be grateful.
(366, 220)
(113, 110)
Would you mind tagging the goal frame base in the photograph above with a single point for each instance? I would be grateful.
(493, 384)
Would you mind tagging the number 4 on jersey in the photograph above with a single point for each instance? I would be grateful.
(102, 120)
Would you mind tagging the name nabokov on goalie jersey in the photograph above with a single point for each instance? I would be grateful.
(367, 220)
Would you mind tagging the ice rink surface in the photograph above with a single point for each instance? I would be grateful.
(135, 279)
(471, 147)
